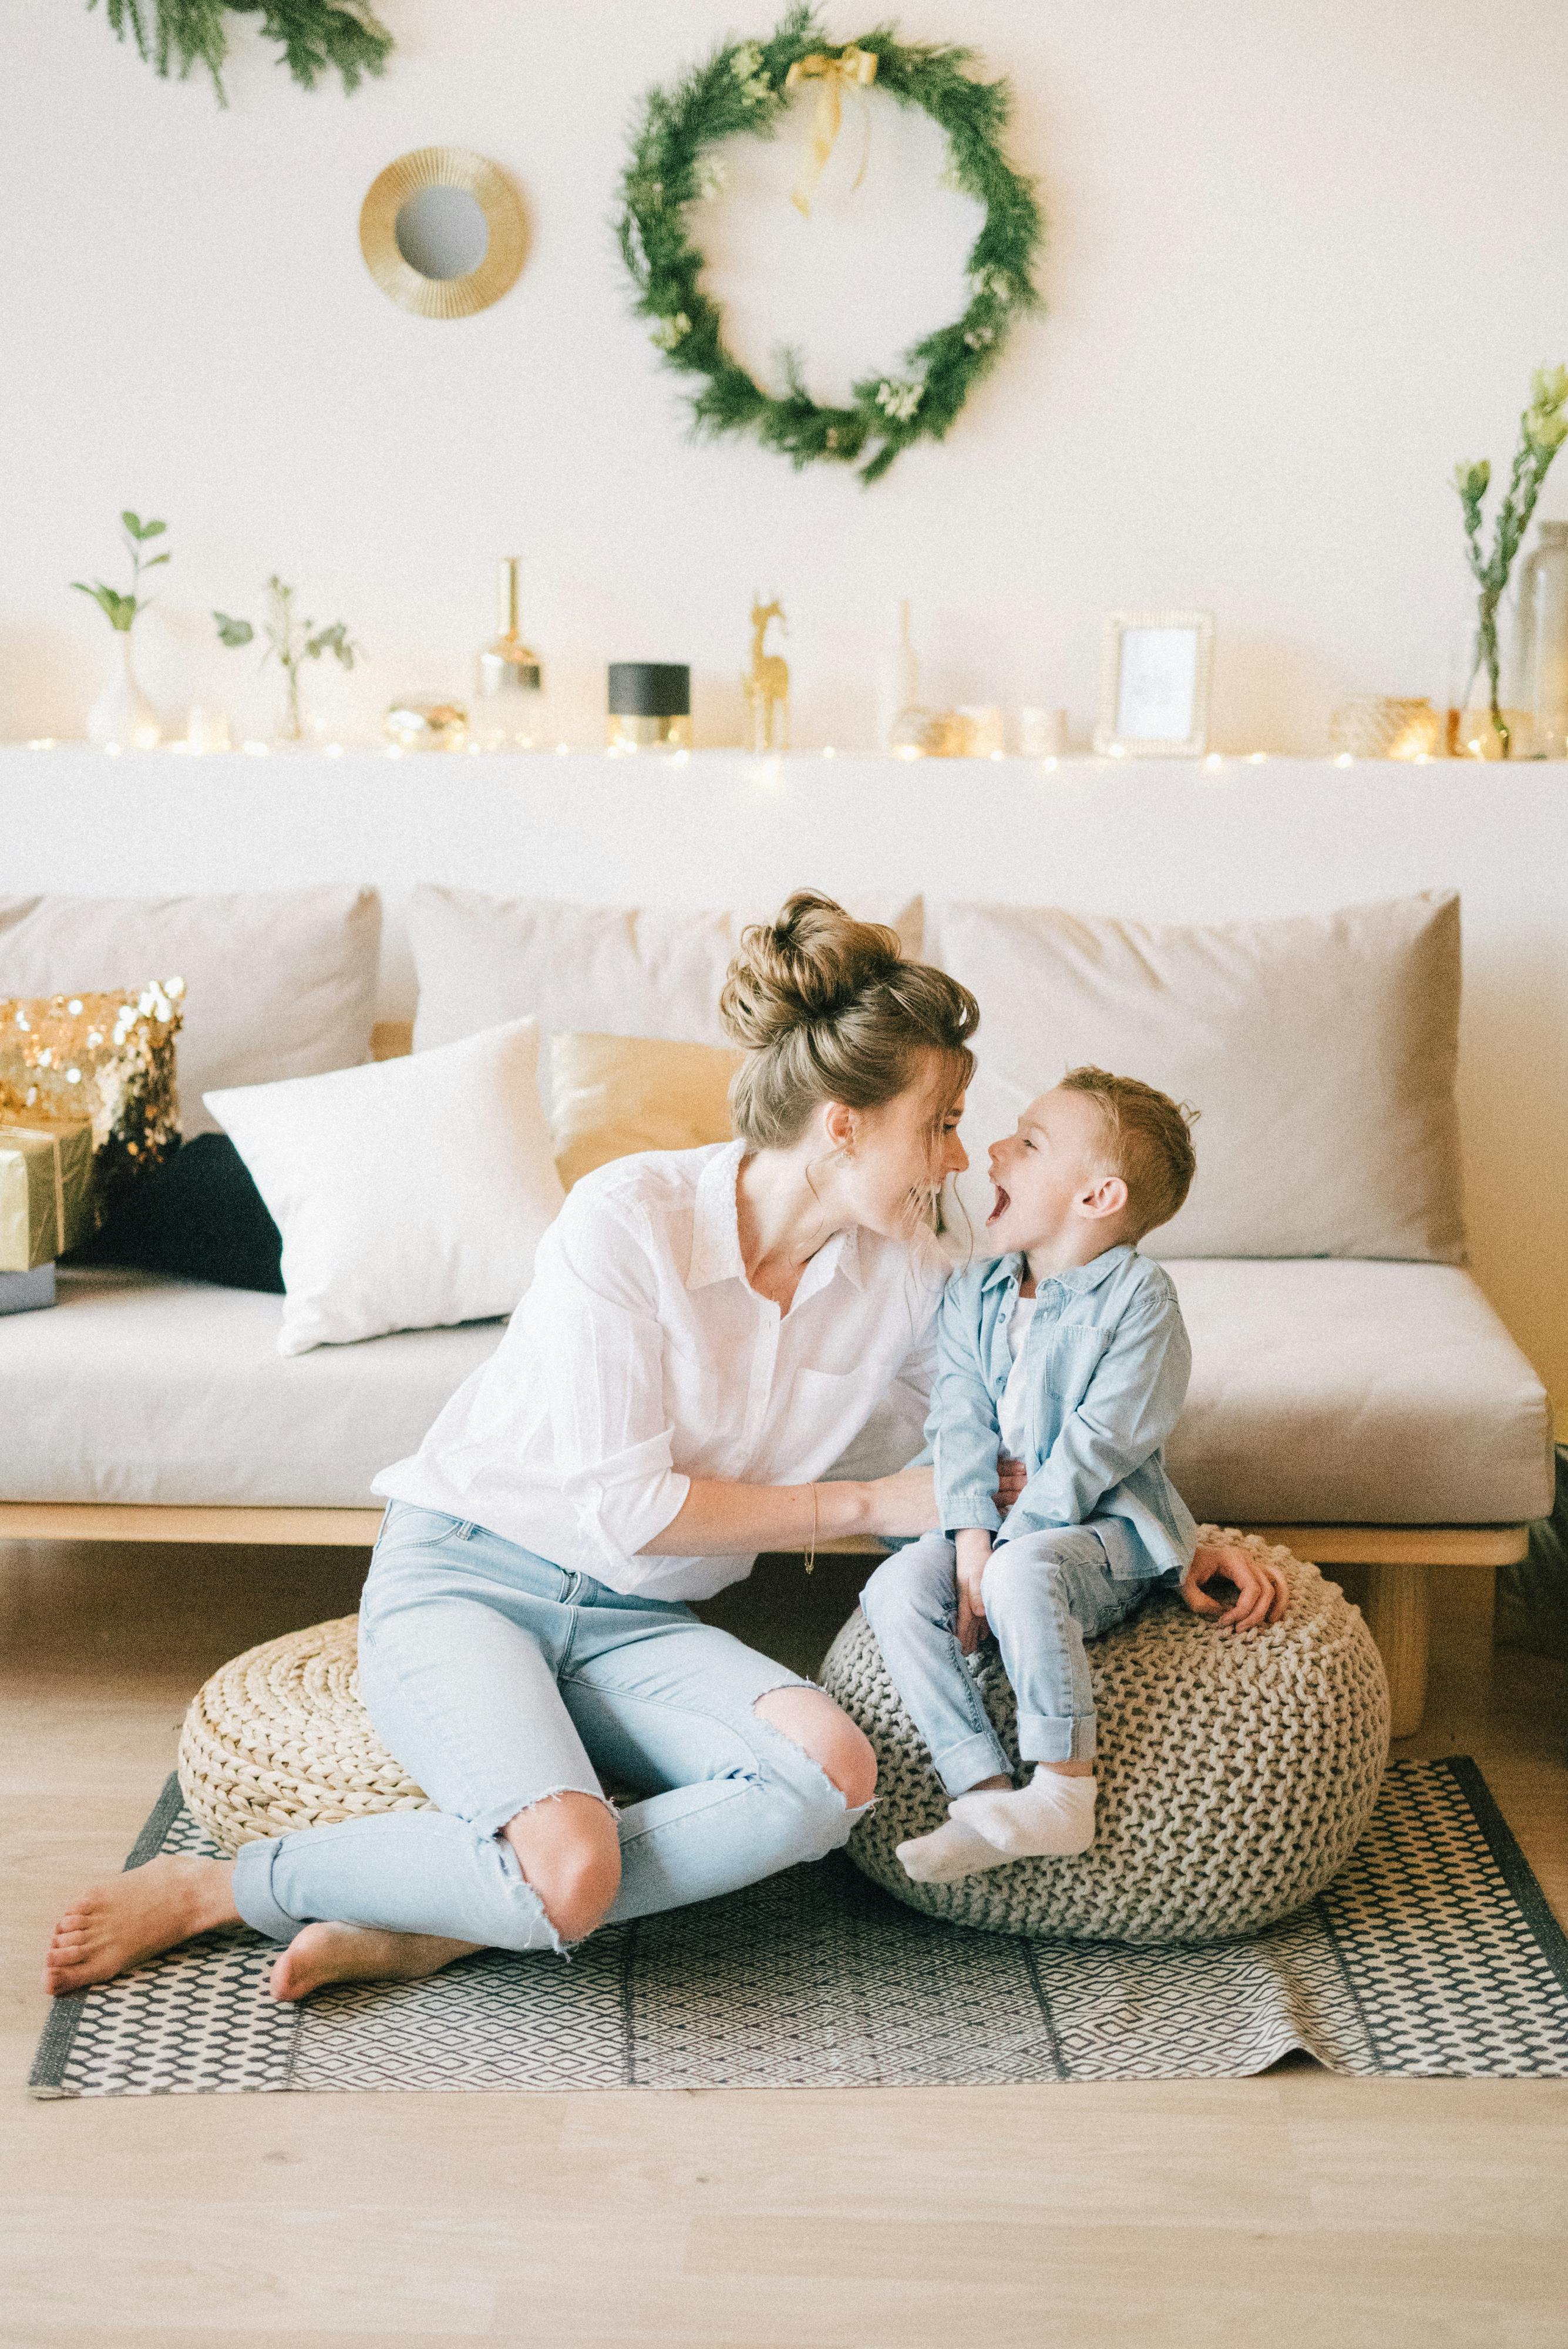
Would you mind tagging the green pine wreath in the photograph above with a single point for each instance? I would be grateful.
(741, 89)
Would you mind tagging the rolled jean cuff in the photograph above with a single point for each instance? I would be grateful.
(964, 1765)
(253, 1894)
(1047, 1738)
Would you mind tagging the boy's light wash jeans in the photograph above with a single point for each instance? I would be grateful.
(1045, 1594)
(498, 1679)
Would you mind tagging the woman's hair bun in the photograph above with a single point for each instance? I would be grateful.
(809, 963)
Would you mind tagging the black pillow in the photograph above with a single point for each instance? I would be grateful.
(200, 1217)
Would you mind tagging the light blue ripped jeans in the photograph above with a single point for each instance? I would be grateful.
(497, 1679)
(1045, 1594)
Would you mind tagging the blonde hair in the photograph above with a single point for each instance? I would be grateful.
(1148, 1143)
(828, 1009)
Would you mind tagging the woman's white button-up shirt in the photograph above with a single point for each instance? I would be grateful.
(641, 1356)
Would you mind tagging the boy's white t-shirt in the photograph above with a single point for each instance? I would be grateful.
(1013, 1412)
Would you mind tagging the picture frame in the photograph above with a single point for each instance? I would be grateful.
(1155, 670)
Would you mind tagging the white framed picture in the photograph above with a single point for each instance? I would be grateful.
(1155, 671)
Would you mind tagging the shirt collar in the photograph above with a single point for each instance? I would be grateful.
(1078, 1279)
(716, 1233)
(715, 1225)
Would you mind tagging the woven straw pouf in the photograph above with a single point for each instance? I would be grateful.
(279, 1740)
(1236, 1773)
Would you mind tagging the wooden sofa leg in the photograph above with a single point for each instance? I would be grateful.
(1398, 1615)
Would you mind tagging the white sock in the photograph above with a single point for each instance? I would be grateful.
(949, 1852)
(1051, 1817)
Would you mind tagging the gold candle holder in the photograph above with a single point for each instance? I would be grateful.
(649, 706)
(510, 684)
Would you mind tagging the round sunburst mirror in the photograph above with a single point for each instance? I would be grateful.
(442, 232)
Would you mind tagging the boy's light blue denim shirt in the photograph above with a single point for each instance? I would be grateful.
(1106, 1360)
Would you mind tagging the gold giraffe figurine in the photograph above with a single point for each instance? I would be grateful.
(766, 684)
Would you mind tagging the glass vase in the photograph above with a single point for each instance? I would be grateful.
(1477, 726)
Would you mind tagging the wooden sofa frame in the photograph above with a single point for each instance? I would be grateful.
(1398, 1559)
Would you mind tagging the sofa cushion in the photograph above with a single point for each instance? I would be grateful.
(1320, 1050)
(139, 1389)
(278, 983)
(1355, 1394)
(611, 970)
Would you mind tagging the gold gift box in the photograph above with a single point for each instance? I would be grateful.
(47, 1199)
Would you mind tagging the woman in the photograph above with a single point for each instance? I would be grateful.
(706, 1333)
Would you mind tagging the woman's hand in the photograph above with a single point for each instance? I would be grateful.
(1012, 1476)
(1262, 1593)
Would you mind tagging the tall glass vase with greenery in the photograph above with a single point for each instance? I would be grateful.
(291, 642)
(1543, 429)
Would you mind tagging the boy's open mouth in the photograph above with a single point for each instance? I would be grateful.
(1003, 1204)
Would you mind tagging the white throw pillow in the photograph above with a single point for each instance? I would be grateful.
(278, 983)
(1319, 1048)
(410, 1194)
(605, 970)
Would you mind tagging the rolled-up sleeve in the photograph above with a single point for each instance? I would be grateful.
(612, 1433)
(1130, 1406)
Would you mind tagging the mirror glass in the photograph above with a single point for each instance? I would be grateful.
(441, 232)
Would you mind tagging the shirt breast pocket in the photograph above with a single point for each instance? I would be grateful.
(1076, 1351)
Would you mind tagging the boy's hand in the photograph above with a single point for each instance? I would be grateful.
(973, 1547)
(1262, 1593)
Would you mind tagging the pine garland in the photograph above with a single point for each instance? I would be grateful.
(316, 36)
(741, 89)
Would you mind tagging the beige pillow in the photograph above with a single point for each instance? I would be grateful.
(278, 982)
(1320, 1048)
(617, 1094)
(611, 970)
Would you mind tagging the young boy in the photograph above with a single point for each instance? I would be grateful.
(1064, 1348)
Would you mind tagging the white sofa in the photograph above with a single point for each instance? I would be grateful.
(1368, 1412)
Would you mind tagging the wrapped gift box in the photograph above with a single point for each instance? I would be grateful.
(25, 1292)
(48, 1201)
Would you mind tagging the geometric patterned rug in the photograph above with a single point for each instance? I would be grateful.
(1433, 1955)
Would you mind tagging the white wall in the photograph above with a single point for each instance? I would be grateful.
(1302, 259)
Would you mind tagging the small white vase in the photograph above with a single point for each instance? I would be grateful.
(122, 718)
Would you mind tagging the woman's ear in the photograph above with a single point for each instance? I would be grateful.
(839, 1124)
(1105, 1197)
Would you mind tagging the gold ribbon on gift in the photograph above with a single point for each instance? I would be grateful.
(852, 69)
(24, 1241)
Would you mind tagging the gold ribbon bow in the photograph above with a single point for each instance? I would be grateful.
(852, 68)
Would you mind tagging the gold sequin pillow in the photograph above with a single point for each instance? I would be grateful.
(108, 1057)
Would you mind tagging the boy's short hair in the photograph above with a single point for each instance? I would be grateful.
(1149, 1141)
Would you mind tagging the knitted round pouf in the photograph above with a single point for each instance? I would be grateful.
(279, 1740)
(1236, 1773)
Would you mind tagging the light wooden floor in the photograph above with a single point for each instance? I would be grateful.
(1291, 2209)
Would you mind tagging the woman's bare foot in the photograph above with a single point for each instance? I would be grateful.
(336, 1953)
(135, 1916)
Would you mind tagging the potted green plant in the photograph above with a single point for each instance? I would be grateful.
(122, 718)
(1543, 429)
(291, 642)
